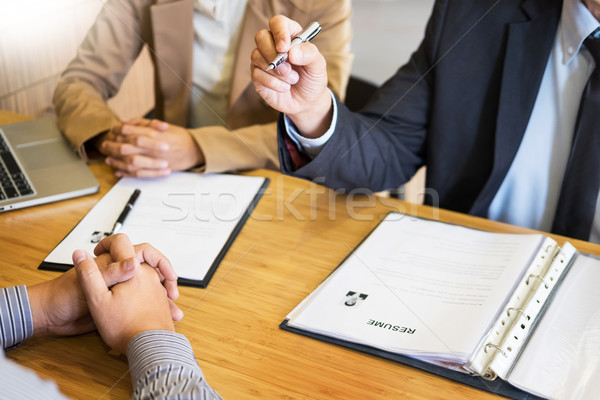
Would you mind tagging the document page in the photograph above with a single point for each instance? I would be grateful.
(187, 216)
(418, 287)
(562, 358)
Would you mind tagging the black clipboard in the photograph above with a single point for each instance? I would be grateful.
(202, 283)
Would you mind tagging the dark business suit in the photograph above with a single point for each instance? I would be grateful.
(460, 106)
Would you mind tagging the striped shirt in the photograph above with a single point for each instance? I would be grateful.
(162, 363)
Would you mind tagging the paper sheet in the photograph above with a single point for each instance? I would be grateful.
(419, 287)
(562, 358)
(188, 217)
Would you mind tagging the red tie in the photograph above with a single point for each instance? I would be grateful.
(299, 159)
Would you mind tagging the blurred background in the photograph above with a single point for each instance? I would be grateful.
(39, 37)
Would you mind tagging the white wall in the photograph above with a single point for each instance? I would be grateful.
(386, 32)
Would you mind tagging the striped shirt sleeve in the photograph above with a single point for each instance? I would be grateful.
(163, 366)
(16, 323)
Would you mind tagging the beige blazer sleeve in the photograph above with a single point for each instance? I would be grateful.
(96, 73)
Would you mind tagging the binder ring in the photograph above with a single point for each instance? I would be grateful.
(518, 310)
(495, 346)
(538, 277)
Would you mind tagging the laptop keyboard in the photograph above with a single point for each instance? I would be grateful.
(13, 181)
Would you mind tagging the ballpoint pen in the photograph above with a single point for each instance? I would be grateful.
(306, 35)
(125, 212)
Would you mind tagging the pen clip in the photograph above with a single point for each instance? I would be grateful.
(310, 32)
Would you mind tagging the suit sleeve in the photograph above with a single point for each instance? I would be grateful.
(95, 74)
(384, 145)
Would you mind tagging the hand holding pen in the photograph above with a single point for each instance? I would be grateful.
(297, 87)
(308, 34)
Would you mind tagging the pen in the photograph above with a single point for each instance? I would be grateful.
(306, 35)
(125, 212)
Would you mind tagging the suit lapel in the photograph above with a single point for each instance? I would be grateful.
(173, 39)
(529, 45)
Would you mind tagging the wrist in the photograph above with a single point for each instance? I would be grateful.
(36, 294)
(97, 141)
(198, 156)
(314, 121)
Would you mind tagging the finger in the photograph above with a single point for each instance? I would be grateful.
(153, 123)
(308, 56)
(144, 173)
(137, 162)
(147, 144)
(159, 125)
(138, 121)
(265, 47)
(154, 258)
(283, 30)
(118, 246)
(130, 129)
(89, 277)
(119, 271)
(264, 79)
(176, 312)
(116, 148)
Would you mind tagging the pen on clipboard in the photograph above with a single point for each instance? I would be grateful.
(125, 212)
(306, 35)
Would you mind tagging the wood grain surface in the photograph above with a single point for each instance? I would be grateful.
(296, 236)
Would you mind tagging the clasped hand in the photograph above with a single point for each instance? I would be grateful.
(125, 290)
(148, 148)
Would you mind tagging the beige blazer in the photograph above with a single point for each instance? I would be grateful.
(119, 34)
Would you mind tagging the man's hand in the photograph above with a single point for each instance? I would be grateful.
(129, 308)
(298, 87)
(59, 306)
(149, 148)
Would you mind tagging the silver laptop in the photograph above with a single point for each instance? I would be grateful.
(37, 165)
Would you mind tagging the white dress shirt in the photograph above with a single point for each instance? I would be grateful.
(529, 193)
(217, 26)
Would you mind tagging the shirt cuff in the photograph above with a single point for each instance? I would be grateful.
(312, 147)
(16, 322)
(153, 350)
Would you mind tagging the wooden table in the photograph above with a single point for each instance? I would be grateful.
(297, 234)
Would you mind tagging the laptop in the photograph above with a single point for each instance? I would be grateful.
(38, 165)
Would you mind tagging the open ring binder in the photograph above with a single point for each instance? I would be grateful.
(495, 346)
(435, 270)
(518, 310)
(512, 329)
(538, 277)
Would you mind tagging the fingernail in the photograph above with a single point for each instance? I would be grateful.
(294, 77)
(78, 256)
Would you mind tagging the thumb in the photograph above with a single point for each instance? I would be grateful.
(89, 277)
